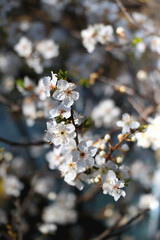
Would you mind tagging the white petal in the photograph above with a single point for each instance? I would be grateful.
(75, 155)
(53, 113)
(70, 176)
(75, 95)
(92, 151)
(46, 81)
(83, 146)
(67, 102)
(59, 95)
(70, 128)
(62, 85)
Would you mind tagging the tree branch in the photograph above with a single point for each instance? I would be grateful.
(20, 144)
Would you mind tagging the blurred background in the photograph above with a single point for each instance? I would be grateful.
(120, 74)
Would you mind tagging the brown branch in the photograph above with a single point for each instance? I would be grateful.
(124, 10)
(14, 107)
(20, 144)
(88, 194)
(106, 234)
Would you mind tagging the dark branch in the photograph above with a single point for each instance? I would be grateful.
(20, 144)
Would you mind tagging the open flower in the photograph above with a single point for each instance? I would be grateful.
(60, 133)
(61, 111)
(84, 156)
(112, 186)
(23, 47)
(49, 84)
(127, 123)
(68, 169)
(65, 93)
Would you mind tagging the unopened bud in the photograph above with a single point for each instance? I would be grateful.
(120, 137)
(120, 32)
(107, 137)
(133, 139)
(102, 153)
(119, 159)
(125, 147)
(103, 146)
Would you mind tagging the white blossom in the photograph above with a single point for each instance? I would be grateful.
(61, 111)
(47, 228)
(65, 93)
(47, 48)
(105, 113)
(84, 156)
(60, 133)
(113, 186)
(12, 185)
(23, 47)
(69, 170)
(127, 123)
(54, 158)
(50, 84)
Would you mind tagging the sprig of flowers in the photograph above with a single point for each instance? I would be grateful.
(79, 161)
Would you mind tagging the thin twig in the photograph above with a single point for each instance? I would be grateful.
(88, 194)
(20, 144)
(106, 234)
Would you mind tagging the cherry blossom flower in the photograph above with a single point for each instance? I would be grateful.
(105, 34)
(50, 84)
(68, 169)
(23, 47)
(84, 156)
(54, 158)
(47, 228)
(48, 49)
(60, 133)
(112, 186)
(12, 185)
(61, 111)
(65, 93)
(127, 123)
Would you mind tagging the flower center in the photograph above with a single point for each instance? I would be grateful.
(115, 187)
(62, 111)
(82, 154)
(71, 165)
(62, 132)
(52, 87)
(68, 92)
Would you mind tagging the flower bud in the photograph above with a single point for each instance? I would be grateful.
(107, 137)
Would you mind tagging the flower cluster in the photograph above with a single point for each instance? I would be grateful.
(97, 33)
(80, 161)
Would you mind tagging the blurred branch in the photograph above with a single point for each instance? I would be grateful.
(20, 144)
(88, 194)
(124, 10)
(8, 103)
(106, 234)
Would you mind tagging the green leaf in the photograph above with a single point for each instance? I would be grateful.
(1, 150)
(62, 75)
(126, 182)
(87, 123)
(84, 82)
(19, 82)
(135, 41)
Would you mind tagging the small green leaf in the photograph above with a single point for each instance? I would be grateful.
(1, 150)
(19, 82)
(84, 82)
(135, 41)
(87, 123)
(62, 75)
(126, 182)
